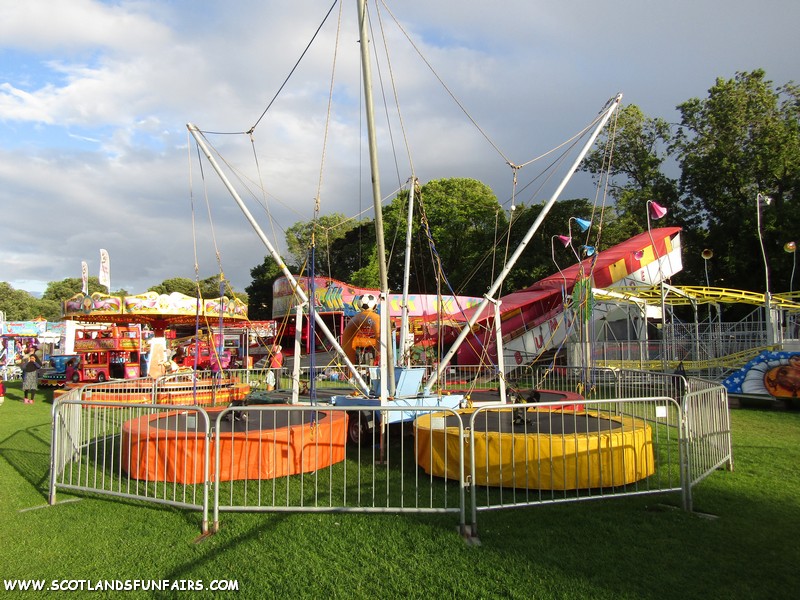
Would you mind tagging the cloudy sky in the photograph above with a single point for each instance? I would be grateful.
(95, 97)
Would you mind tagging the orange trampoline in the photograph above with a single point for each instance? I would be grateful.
(170, 446)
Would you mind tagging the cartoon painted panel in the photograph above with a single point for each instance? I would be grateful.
(97, 303)
(770, 374)
(331, 295)
(150, 303)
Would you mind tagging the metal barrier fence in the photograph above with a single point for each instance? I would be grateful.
(255, 458)
(194, 388)
(127, 391)
(608, 383)
(270, 458)
(707, 435)
(106, 448)
(546, 455)
(705, 422)
(305, 466)
(455, 378)
(588, 382)
(66, 439)
(703, 342)
(336, 377)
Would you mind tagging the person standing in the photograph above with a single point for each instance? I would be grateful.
(275, 365)
(216, 371)
(276, 362)
(30, 378)
(69, 371)
(219, 362)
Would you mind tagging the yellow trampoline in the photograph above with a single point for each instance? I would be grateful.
(537, 448)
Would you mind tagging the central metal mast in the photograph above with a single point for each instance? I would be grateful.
(376, 184)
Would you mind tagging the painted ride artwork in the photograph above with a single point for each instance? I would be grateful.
(55, 373)
(123, 339)
(775, 374)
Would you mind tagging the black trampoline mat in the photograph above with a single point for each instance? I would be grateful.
(544, 422)
(257, 420)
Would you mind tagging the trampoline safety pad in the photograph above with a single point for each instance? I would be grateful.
(546, 450)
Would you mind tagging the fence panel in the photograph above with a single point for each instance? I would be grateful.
(66, 439)
(337, 377)
(590, 382)
(707, 434)
(127, 391)
(295, 458)
(667, 435)
(632, 383)
(136, 451)
(532, 454)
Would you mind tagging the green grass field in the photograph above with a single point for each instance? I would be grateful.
(635, 547)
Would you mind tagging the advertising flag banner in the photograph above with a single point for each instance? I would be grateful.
(105, 270)
(84, 278)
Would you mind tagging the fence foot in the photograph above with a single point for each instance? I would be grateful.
(707, 516)
(469, 535)
(204, 536)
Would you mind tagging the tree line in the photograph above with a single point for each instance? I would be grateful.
(741, 140)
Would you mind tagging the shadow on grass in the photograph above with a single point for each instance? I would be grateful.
(28, 453)
(211, 559)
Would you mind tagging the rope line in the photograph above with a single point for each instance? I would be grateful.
(294, 68)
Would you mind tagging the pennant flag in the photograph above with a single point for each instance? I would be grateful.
(84, 278)
(105, 270)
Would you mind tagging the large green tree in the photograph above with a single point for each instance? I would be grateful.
(353, 257)
(19, 305)
(324, 231)
(58, 291)
(182, 285)
(544, 255)
(207, 288)
(457, 227)
(633, 170)
(742, 140)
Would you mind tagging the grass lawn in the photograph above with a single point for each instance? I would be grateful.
(636, 547)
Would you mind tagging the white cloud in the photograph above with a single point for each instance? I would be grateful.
(42, 26)
(94, 98)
